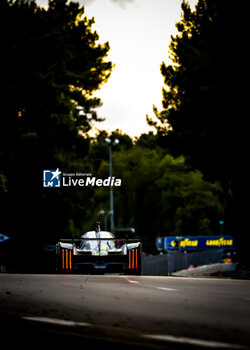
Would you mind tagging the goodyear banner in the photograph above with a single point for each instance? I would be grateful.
(198, 242)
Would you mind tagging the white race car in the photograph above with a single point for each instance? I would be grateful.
(98, 252)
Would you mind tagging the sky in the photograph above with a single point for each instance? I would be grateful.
(139, 33)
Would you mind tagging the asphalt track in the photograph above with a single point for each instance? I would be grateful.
(124, 312)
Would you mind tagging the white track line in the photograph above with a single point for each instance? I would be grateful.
(56, 321)
(167, 289)
(193, 341)
(130, 281)
(154, 287)
(161, 337)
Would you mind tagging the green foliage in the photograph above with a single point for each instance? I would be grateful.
(200, 98)
(160, 195)
(52, 63)
(204, 102)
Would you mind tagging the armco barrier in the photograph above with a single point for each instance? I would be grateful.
(155, 265)
(166, 264)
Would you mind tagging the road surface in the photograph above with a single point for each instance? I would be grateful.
(125, 311)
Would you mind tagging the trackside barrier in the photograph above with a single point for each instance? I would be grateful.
(155, 265)
(166, 264)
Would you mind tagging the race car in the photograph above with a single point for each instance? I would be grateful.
(98, 252)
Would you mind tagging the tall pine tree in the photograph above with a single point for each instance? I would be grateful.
(203, 113)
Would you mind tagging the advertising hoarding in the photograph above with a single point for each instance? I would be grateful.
(195, 242)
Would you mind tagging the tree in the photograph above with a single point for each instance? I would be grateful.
(160, 195)
(202, 116)
(51, 65)
(198, 98)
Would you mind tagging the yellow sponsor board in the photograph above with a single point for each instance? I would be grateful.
(199, 242)
(186, 243)
(221, 242)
